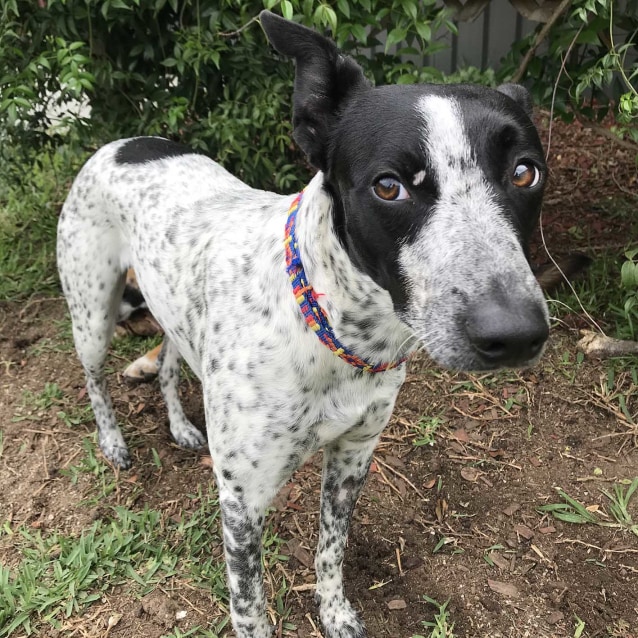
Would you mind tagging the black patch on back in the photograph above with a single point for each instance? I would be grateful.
(140, 150)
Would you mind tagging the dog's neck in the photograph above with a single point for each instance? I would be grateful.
(360, 312)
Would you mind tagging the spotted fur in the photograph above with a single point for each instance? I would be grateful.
(442, 264)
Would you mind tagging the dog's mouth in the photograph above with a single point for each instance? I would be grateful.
(487, 334)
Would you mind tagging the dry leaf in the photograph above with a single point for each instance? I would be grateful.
(441, 509)
(461, 435)
(301, 554)
(505, 589)
(510, 510)
(555, 617)
(524, 531)
(499, 560)
(470, 474)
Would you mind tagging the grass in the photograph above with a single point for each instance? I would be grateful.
(440, 626)
(426, 430)
(29, 210)
(573, 511)
(600, 293)
(59, 575)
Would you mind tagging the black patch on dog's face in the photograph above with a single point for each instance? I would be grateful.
(141, 150)
(381, 134)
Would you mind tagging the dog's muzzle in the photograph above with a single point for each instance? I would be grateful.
(506, 335)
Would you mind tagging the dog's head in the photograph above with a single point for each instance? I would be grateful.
(436, 191)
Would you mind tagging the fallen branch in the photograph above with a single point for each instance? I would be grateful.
(600, 346)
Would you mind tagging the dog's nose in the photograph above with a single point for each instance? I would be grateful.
(506, 335)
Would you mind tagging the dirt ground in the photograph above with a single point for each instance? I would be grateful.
(454, 520)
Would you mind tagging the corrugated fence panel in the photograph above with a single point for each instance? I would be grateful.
(483, 42)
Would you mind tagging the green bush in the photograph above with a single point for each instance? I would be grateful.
(587, 63)
(196, 71)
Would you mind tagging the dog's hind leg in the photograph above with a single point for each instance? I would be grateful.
(345, 467)
(183, 431)
(93, 281)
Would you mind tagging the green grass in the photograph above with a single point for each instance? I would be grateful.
(426, 430)
(570, 510)
(39, 405)
(59, 576)
(440, 626)
(30, 201)
(600, 293)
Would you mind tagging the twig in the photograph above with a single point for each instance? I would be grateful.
(389, 483)
(402, 476)
(230, 34)
(542, 34)
(577, 541)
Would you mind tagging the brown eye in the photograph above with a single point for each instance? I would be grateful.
(390, 189)
(526, 175)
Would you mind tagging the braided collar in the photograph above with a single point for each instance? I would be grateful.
(306, 297)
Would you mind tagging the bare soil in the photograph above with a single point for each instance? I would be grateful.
(455, 520)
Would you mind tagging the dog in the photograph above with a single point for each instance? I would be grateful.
(134, 318)
(298, 312)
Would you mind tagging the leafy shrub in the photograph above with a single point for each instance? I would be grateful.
(200, 72)
(588, 63)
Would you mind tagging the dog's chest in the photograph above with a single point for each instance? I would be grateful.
(300, 398)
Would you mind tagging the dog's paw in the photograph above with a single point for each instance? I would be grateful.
(340, 620)
(186, 434)
(118, 455)
(142, 370)
(259, 629)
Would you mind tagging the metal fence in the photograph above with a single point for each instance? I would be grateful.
(483, 42)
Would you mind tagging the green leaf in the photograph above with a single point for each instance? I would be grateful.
(424, 30)
(287, 9)
(344, 7)
(395, 36)
(629, 275)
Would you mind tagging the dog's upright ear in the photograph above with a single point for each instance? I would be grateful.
(324, 81)
(520, 95)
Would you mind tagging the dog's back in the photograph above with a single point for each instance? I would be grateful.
(178, 218)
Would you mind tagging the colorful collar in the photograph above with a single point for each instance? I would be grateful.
(313, 313)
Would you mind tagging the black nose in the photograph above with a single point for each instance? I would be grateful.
(506, 334)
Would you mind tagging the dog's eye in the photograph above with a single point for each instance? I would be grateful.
(526, 175)
(390, 189)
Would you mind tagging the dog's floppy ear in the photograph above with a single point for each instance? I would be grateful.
(324, 80)
(520, 95)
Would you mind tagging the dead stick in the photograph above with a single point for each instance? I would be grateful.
(542, 34)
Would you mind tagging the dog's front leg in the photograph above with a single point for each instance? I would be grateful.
(345, 468)
(243, 525)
